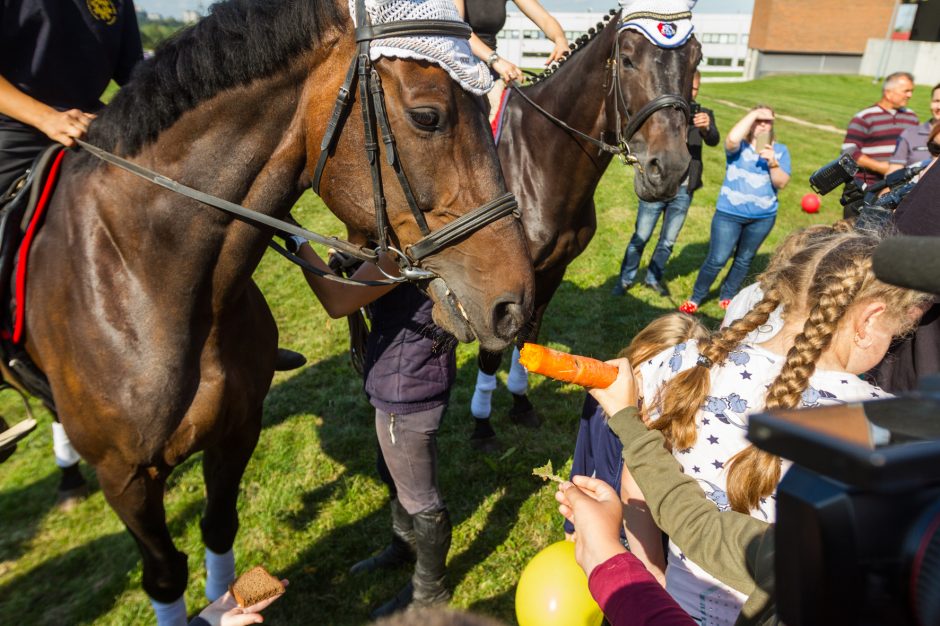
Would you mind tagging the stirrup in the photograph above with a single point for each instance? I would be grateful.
(15, 433)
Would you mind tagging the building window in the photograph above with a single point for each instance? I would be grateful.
(571, 35)
(712, 61)
(532, 34)
(744, 38)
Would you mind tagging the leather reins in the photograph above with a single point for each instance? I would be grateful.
(623, 135)
(372, 102)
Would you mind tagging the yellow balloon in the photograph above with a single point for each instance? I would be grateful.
(553, 591)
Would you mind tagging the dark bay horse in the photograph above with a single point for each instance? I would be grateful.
(554, 172)
(141, 309)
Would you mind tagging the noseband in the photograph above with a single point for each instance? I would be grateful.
(372, 102)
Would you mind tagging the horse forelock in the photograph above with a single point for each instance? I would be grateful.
(238, 42)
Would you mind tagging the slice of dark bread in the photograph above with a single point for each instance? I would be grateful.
(254, 586)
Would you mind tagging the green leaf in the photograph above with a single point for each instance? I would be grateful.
(547, 473)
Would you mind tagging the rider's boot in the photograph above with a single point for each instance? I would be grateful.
(288, 360)
(402, 548)
(432, 542)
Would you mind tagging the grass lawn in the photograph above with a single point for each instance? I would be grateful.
(311, 502)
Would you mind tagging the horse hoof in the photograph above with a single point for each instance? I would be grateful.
(486, 444)
(67, 499)
(528, 418)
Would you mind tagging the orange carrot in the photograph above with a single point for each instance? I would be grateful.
(570, 368)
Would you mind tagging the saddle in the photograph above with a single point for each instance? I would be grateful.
(18, 206)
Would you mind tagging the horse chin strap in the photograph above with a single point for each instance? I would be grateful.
(375, 121)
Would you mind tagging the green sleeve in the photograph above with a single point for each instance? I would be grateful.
(716, 541)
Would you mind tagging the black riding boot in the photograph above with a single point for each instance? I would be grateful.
(402, 548)
(432, 542)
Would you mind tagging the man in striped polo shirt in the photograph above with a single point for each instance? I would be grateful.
(873, 132)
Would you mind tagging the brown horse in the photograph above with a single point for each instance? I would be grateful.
(554, 171)
(141, 309)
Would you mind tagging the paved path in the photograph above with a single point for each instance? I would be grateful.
(789, 118)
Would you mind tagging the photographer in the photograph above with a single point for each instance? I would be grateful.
(917, 355)
(702, 128)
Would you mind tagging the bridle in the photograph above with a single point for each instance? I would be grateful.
(372, 101)
(622, 134)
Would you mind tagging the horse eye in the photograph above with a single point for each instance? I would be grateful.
(626, 63)
(427, 119)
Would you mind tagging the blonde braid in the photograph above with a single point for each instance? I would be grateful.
(753, 474)
(681, 398)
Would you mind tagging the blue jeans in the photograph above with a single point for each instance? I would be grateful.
(647, 214)
(730, 234)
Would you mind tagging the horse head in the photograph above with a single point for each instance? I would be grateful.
(647, 71)
(444, 152)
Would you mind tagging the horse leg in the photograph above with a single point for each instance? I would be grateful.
(136, 495)
(484, 437)
(522, 411)
(223, 464)
(72, 485)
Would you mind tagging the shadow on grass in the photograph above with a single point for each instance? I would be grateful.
(59, 596)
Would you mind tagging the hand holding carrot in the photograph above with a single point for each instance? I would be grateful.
(620, 394)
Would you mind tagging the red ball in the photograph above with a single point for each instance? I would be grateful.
(810, 203)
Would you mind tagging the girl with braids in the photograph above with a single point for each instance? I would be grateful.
(838, 322)
(597, 451)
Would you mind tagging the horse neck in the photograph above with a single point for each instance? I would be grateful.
(243, 145)
(575, 94)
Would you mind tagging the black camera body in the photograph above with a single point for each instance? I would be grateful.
(857, 538)
(694, 109)
(858, 199)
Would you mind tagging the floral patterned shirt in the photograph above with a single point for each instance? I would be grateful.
(738, 388)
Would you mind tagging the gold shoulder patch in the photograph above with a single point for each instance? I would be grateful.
(103, 10)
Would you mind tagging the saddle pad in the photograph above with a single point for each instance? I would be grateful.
(497, 124)
(23, 254)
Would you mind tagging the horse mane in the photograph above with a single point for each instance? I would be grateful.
(238, 42)
(573, 48)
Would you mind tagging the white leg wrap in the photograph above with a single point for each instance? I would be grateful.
(481, 404)
(220, 573)
(65, 454)
(518, 382)
(172, 614)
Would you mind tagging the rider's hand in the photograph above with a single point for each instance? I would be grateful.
(558, 53)
(65, 126)
(507, 71)
(701, 121)
(597, 512)
(622, 393)
(226, 612)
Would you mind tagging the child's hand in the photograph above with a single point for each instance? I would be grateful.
(597, 512)
(622, 393)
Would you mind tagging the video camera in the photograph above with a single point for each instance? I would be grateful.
(858, 514)
(860, 198)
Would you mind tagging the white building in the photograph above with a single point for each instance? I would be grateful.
(723, 37)
(190, 16)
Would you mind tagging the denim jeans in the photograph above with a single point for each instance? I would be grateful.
(647, 215)
(730, 234)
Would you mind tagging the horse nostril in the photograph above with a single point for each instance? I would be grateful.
(654, 169)
(508, 318)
